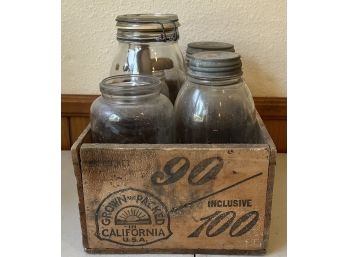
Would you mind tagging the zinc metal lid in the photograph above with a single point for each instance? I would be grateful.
(195, 47)
(215, 64)
(156, 27)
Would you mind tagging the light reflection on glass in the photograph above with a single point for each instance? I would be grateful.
(199, 110)
(114, 117)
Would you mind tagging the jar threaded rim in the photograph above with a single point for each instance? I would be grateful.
(130, 85)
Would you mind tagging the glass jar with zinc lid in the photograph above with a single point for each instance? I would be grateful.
(215, 105)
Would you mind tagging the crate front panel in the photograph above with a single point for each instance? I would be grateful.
(175, 198)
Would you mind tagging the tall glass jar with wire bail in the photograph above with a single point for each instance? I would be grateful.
(148, 43)
(215, 105)
(131, 110)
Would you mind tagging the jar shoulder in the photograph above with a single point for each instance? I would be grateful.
(198, 103)
(147, 108)
(214, 95)
(143, 58)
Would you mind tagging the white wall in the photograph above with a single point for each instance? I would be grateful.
(257, 28)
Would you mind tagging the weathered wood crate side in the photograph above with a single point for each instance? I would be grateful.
(175, 198)
(75, 154)
(265, 137)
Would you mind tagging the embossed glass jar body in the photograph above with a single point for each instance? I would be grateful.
(131, 110)
(148, 43)
(215, 104)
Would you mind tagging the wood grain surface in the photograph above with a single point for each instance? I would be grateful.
(76, 126)
(140, 198)
(113, 175)
(65, 137)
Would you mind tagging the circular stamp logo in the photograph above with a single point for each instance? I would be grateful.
(132, 217)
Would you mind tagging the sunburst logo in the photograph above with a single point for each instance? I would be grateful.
(132, 215)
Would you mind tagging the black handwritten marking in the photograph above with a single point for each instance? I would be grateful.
(175, 209)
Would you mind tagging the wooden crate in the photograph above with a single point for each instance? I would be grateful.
(175, 198)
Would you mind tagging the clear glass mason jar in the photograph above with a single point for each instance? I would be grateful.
(215, 105)
(164, 87)
(148, 43)
(131, 110)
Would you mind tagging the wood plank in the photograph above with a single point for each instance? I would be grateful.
(278, 131)
(184, 205)
(273, 108)
(76, 105)
(270, 181)
(75, 154)
(111, 173)
(77, 125)
(65, 135)
(277, 241)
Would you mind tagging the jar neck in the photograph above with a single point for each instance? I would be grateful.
(216, 81)
(171, 35)
(129, 99)
(215, 68)
(146, 43)
(130, 88)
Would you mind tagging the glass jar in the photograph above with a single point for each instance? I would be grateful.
(195, 47)
(215, 105)
(164, 87)
(149, 43)
(131, 110)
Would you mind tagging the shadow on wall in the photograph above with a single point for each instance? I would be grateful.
(260, 82)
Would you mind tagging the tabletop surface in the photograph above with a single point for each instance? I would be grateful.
(71, 231)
